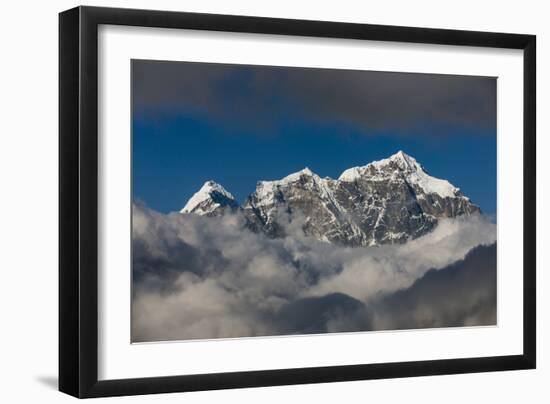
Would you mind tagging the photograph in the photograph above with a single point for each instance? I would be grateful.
(272, 201)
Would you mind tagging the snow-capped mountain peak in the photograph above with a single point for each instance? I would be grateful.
(401, 165)
(399, 161)
(295, 176)
(387, 201)
(209, 199)
(403, 161)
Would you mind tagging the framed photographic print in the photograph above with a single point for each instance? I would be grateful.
(251, 201)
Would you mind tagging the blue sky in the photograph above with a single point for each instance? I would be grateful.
(236, 125)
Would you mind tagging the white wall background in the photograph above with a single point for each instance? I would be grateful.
(28, 199)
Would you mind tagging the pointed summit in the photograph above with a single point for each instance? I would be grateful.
(401, 165)
(403, 157)
(401, 154)
(296, 176)
(401, 160)
(211, 197)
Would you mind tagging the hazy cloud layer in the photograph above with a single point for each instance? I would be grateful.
(198, 277)
(263, 96)
(462, 294)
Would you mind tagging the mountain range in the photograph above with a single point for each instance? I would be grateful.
(384, 202)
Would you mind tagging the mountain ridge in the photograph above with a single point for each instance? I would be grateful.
(384, 202)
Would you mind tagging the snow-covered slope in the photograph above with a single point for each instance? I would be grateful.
(401, 163)
(211, 200)
(387, 201)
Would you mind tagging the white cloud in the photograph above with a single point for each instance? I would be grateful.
(370, 272)
(199, 277)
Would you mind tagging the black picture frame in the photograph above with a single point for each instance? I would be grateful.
(78, 201)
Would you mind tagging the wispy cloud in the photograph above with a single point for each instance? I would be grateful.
(260, 96)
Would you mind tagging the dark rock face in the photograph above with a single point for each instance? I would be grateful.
(385, 202)
(306, 200)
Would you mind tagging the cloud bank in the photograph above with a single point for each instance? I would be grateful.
(198, 277)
